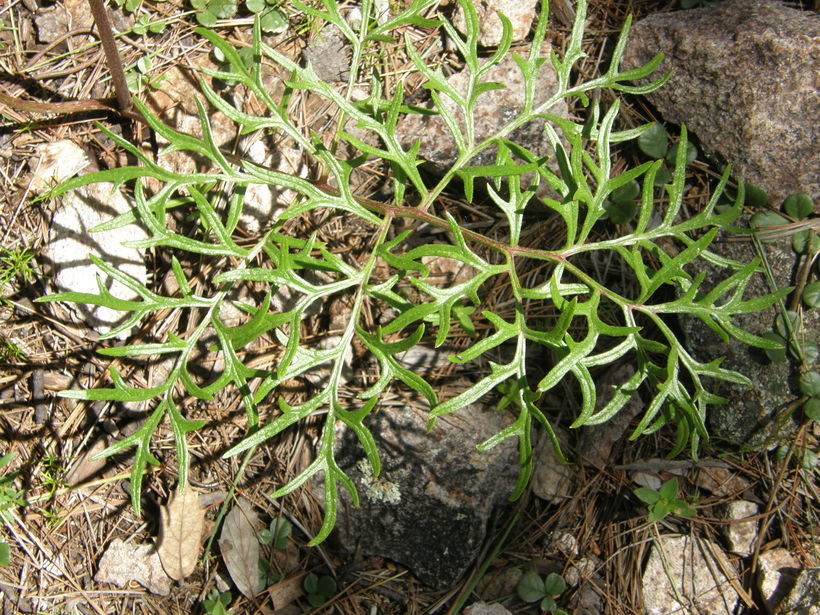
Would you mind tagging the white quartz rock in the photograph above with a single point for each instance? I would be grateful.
(71, 242)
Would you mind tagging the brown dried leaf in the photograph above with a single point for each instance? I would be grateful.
(123, 564)
(240, 547)
(286, 592)
(181, 523)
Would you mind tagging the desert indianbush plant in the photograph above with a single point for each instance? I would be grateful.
(595, 324)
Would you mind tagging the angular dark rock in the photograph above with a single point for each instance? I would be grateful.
(744, 80)
(429, 508)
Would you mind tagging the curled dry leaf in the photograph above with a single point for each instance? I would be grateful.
(181, 523)
(239, 545)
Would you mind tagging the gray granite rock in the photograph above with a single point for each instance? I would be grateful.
(692, 569)
(804, 598)
(744, 80)
(70, 243)
(429, 508)
(492, 111)
(521, 15)
(777, 571)
(328, 54)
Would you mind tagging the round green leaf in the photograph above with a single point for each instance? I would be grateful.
(273, 22)
(223, 9)
(326, 586)
(255, 6)
(199, 5)
(808, 459)
(206, 19)
(812, 409)
(554, 584)
(800, 241)
(621, 213)
(691, 153)
(265, 537)
(810, 384)
(548, 604)
(755, 197)
(663, 176)
(810, 353)
(144, 64)
(133, 81)
(763, 219)
(626, 193)
(780, 324)
(776, 355)
(811, 294)
(654, 141)
(530, 587)
(141, 27)
(311, 583)
(316, 600)
(798, 206)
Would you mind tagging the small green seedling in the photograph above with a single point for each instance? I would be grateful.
(211, 10)
(9, 498)
(319, 588)
(139, 77)
(129, 6)
(216, 603)
(276, 534)
(15, 264)
(796, 206)
(271, 20)
(664, 501)
(532, 588)
(622, 206)
(145, 26)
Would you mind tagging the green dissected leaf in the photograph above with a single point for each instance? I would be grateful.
(588, 325)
